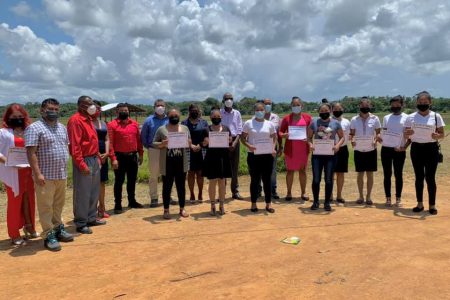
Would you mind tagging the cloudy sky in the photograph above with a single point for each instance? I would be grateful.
(139, 50)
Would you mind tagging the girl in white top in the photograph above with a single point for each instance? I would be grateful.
(393, 150)
(259, 131)
(365, 125)
(425, 128)
(341, 158)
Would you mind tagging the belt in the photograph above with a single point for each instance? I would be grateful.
(126, 153)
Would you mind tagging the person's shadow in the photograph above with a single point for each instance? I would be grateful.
(205, 215)
(319, 212)
(32, 247)
(159, 219)
(403, 212)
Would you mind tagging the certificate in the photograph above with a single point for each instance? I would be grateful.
(218, 139)
(263, 146)
(323, 147)
(391, 139)
(364, 143)
(177, 140)
(297, 133)
(422, 132)
(17, 157)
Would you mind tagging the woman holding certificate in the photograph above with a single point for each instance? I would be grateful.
(322, 138)
(174, 140)
(259, 136)
(393, 149)
(364, 132)
(425, 128)
(15, 172)
(217, 164)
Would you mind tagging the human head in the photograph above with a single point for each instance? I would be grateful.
(15, 116)
(215, 116)
(86, 105)
(423, 101)
(50, 109)
(396, 104)
(296, 105)
(160, 107)
(365, 105)
(259, 110)
(122, 111)
(174, 116)
(227, 100)
(324, 111)
(194, 111)
(337, 109)
(268, 105)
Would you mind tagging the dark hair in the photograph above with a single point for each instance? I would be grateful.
(258, 103)
(336, 103)
(159, 101)
(423, 94)
(396, 99)
(325, 104)
(82, 98)
(296, 98)
(324, 100)
(214, 109)
(365, 99)
(193, 106)
(49, 101)
(122, 104)
(96, 102)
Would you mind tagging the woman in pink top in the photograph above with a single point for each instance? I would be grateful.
(295, 151)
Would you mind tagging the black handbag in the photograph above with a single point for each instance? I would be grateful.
(440, 155)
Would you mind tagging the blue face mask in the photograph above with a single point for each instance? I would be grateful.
(268, 108)
(296, 109)
(259, 114)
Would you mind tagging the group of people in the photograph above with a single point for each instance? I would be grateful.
(90, 141)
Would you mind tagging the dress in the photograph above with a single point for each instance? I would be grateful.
(102, 132)
(196, 131)
(297, 156)
(217, 162)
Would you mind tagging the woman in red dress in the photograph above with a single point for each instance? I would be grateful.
(17, 179)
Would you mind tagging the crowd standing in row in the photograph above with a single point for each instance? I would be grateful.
(90, 142)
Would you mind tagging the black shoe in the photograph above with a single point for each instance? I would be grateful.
(62, 235)
(238, 196)
(118, 209)
(417, 209)
(84, 230)
(254, 209)
(327, 206)
(97, 223)
(340, 200)
(135, 205)
(275, 196)
(154, 203)
(288, 198)
(433, 211)
(315, 206)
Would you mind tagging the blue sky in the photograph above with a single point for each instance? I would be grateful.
(140, 50)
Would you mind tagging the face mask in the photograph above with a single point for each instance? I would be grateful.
(229, 103)
(160, 110)
(193, 115)
(91, 110)
(51, 115)
(337, 113)
(174, 120)
(296, 109)
(123, 115)
(259, 114)
(324, 116)
(268, 108)
(423, 107)
(216, 121)
(14, 123)
(364, 110)
(396, 109)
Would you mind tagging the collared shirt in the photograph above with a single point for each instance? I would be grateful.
(365, 127)
(232, 120)
(432, 119)
(149, 128)
(396, 124)
(275, 119)
(345, 124)
(83, 139)
(52, 152)
(124, 137)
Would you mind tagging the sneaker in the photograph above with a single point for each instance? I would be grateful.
(398, 202)
(238, 196)
(327, 206)
(84, 230)
(154, 203)
(315, 205)
(62, 235)
(51, 243)
(97, 222)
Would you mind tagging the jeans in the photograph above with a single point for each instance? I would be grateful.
(168, 180)
(389, 158)
(424, 159)
(128, 165)
(320, 163)
(260, 167)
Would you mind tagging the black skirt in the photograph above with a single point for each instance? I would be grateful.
(217, 163)
(366, 161)
(341, 160)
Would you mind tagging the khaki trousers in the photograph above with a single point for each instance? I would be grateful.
(50, 200)
(153, 166)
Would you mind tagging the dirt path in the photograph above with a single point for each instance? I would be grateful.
(353, 252)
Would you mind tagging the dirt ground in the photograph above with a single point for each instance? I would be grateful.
(353, 252)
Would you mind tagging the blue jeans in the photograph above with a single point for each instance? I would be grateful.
(319, 163)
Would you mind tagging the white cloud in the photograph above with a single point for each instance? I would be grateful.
(22, 9)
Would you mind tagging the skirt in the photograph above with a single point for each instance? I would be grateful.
(341, 160)
(366, 161)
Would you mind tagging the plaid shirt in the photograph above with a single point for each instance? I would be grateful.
(52, 152)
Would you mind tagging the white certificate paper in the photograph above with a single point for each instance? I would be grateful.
(263, 146)
(297, 133)
(391, 139)
(323, 147)
(364, 143)
(422, 132)
(17, 157)
(218, 139)
(177, 140)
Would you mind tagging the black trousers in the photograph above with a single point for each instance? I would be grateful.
(260, 168)
(234, 158)
(128, 165)
(391, 158)
(168, 181)
(425, 158)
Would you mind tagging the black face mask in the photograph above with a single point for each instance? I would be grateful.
(324, 116)
(396, 109)
(193, 115)
(423, 107)
(51, 115)
(123, 115)
(216, 121)
(174, 120)
(14, 123)
(337, 113)
(364, 110)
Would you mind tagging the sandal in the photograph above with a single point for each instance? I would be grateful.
(360, 201)
(340, 200)
(388, 202)
(213, 209)
(183, 213)
(304, 198)
(270, 209)
(221, 208)
(200, 198)
(166, 214)
(398, 202)
(254, 209)
(29, 232)
(288, 198)
(369, 201)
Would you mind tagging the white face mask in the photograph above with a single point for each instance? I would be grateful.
(160, 110)
(91, 110)
(268, 108)
(296, 109)
(228, 103)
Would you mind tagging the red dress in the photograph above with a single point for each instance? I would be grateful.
(15, 218)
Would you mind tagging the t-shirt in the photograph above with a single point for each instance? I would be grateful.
(258, 130)
(365, 127)
(431, 119)
(325, 130)
(345, 125)
(395, 124)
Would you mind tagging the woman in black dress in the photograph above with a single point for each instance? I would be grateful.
(217, 165)
(196, 126)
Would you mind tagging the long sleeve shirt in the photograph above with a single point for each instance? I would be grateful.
(232, 120)
(124, 137)
(149, 128)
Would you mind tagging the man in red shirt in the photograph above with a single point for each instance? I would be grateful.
(126, 154)
(86, 165)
